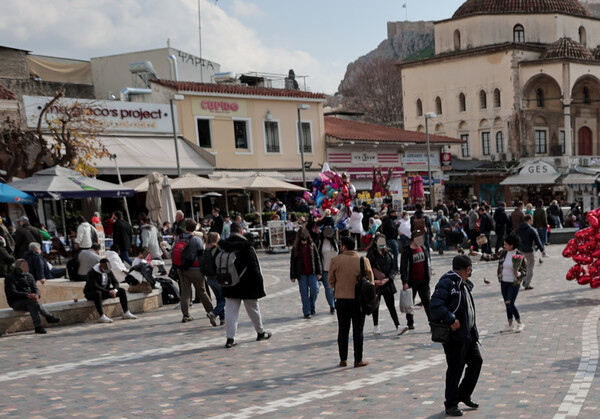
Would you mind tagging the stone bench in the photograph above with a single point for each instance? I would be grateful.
(82, 311)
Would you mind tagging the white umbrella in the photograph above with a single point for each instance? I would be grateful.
(153, 197)
(168, 203)
(140, 184)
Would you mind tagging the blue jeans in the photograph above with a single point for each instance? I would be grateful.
(309, 289)
(543, 233)
(328, 289)
(392, 244)
(509, 294)
(125, 257)
(219, 310)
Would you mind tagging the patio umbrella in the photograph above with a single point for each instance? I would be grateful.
(12, 195)
(153, 197)
(191, 182)
(417, 192)
(168, 203)
(61, 183)
(140, 184)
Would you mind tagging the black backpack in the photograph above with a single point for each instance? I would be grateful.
(170, 293)
(365, 292)
(208, 266)
(73, 268)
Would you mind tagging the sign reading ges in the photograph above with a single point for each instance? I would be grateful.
(112, 115)
(538, 168)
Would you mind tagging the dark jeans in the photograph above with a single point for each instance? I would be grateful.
(487, 248)
(509, 295)
(125, 256)
(348, 312)
(34, 308)
(459, 354)
(422, 288)
(219, 310)
(500, 233)
(58, 272)
(472, 235)
(392, 244)
(98, 296)
(389, 302)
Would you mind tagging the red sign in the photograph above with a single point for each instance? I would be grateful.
(210, 105)
(446, 161)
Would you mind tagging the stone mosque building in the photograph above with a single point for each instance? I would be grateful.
(519, 80)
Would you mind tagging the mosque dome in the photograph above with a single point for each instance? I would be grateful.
(495, 7)
(567, 48)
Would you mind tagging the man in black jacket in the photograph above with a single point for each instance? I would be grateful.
(389, 227)
(529, 236)
(249, 289)
(485, 228)
(502, 224)
(38, 267)
(416, 273)
(122, 234)
(452, 304)
(100, 285)
(23, 295)
(24, 235)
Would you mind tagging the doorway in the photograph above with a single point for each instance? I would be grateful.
(584, 138)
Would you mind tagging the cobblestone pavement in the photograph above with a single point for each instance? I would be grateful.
(157, 366)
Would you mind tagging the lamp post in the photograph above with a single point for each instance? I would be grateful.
(114, 157)
(302, 107)
(428, 116)
(174, 98)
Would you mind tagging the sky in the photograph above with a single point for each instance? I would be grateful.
(316, 38)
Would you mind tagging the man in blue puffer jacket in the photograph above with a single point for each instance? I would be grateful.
(452, 303)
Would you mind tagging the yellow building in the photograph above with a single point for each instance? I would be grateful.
(249, 128)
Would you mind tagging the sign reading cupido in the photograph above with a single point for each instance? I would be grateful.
(113, 116)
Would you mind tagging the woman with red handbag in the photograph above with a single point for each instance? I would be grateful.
(384, 272)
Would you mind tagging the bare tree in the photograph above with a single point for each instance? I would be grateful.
(375, 89)
(66, 138)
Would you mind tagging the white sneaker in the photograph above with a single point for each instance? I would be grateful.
(520, 327)
(104, 319)
(376, 330)
(545, 255)
(129, 315)
(508, 328)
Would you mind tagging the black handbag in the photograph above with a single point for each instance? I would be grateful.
(440, 332)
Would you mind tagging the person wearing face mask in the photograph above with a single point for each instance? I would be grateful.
(415, 272)
(389, 228)
(305, 266)
(384, 271)
(328, 249)
(100, 285)
(452, 304)
(23, 295)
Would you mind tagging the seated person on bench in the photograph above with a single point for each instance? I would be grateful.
(100, 285)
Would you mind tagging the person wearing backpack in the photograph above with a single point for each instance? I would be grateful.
(249, 289)
(343, 275)
(305, 266)
(419, 221)
(186, 258)
(209, 270)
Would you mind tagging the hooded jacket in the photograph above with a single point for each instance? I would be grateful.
(94, 281)
(251, 285)
(448, 303)
(528, 236)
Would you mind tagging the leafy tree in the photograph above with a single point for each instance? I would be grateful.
(375, 89)
(67, 137)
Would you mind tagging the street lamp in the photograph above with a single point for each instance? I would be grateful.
(174, 98)
(114, 157)
(302, 107)
(428, 116)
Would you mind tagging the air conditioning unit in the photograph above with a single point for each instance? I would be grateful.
(495, 157)
(502, 156)
(508, 156)
(585, 161)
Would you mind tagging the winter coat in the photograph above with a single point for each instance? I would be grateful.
(448, 303)
(406, 264)
(385, 264)
(18, 285)
(6, 261)
(38, 267)
(296, 263)
(149, 235)
(251, 285)
(528, 236)
(540, 219)
(93, 282)
(122, 234)
(389, 227)
(516, 218)
(344, 272)
(25, 235)
(522, 269)
(501, 219)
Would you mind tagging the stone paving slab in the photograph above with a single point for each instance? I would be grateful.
(158, 367)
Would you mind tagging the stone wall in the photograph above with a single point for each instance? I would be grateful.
(13, 64)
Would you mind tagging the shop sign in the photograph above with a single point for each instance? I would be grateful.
(220, 106)
(420, 159)
(446, 161)
(364, 157)
(538, 168)
(112, 116)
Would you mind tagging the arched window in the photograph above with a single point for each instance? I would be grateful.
(586, 96)
(497, 98)
(457, 40)
(419, 107)
(462, 102)
(438, 105)
(499, 142)
(482, 99)
(518, 34)
(539, 98)
(582, 36)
